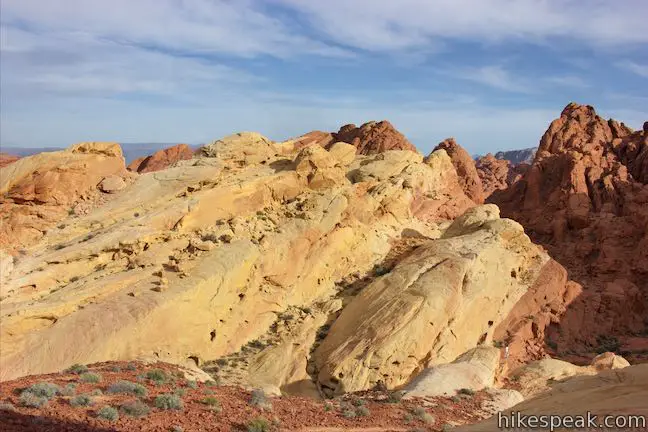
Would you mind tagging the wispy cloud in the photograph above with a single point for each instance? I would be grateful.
(572, 81)
(636, 68)
(494, 76)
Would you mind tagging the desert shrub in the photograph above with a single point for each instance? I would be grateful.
(363, 411)
(349, 413)
(127, 387)
(180, 392)
(408, 418)
(77, 369)
(260, 400)
(69, 390)
(357, 402)
(90, 377)
(7, 407)
(31, 400)
(192, 384)
(211, 383)
(115, 368)
(131, 367)
(158, 376)
(96, 392)
(168, 401)
(135, 408)
(258, 425)
(467, 391)
(81, 400)
(108, 413)
(394, 396)
(212, 403)
(328, 406)
(423, 415)
(43, 389)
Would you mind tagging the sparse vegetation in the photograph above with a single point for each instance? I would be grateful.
(180, 392)
(90, 377)
(349, 413)
(328, 406)
(408, 418)
(357, 402)
(44, 389)
(127, 387)
(131, 367)
(135, 408)
(69, 390)
(158, 376)
(115, 368)
(77, 369)
(467, 391)
(260, 400)
(363, 411)
(423, 415)
(96, 392)
(108, 413)
(394, 396)
(608, 344)
(168, 401)
(81, 400)
(258, 425)
(191, 384)
(211, 383)
(212, 403)
(31, 400)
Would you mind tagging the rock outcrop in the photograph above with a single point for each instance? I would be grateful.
(40, 190)
(6, 159)
(585, 199)
(480, 268)
(161, 159)
(498, 174)
(516, 157)
(197, 262)
(614, 392)
(374, 137)
(465, 166)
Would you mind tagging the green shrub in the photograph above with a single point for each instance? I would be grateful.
(115, 368)
(258, 425)
(158, 376)
(127, 387)
(180, 392)
(131, 367)
(349, 413)
(108, 413)
(211, 383)
(328, 406)
(31, 400)
(192, 384)
(212, 403)
(408, 418)
(135, 408)
(69, 390)
(394, 396)
(363, 411)
(96, 392)
(77, 369)
(467, 391)
(43, 389)
(168, 401)
(260, 400)
(423, 415)
(357, 402)
(81, 400)
(90, 377)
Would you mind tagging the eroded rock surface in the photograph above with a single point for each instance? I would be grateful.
(465, 166)
(6, 159)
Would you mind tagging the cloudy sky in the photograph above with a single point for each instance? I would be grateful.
(492, 73)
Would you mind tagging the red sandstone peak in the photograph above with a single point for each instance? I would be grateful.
(161, 159)
(374, 137)
(465, 166)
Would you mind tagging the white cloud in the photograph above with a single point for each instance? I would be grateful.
(494, 76)
(636, 68)
(568, 81)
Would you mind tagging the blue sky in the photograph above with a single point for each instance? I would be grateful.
(491, 73)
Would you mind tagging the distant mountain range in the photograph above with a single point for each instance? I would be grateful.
(131, 151)
(516, 157)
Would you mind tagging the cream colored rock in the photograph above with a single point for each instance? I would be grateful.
(472, 220)
(85, 292)
(344, 153)
(498, 400)
(319, 168)
(536, 377)
(435, 293)
(474, 370)
(614, 392)
(243, 147)
(112, 184)
(382, 166)
(111, 149)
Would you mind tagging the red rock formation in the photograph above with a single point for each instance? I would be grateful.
(6, 159)
(465, 166)
(585, 199)
(324, 139)
(161, 159)
(498, 174)
(373, 137)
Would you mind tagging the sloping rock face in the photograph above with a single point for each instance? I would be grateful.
(6, 159)
(480, 268)
(161, 159)
(374, 137)
(498, 174)
(465, 166)
(38, 191)
(585, 199)
(248, 241)
(324, 139)
(615, 392)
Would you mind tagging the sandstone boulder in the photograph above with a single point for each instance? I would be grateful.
(112, 184)
(320, 168)
(374, 137)
(474, 370)
(465, 166)
(242, 148)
